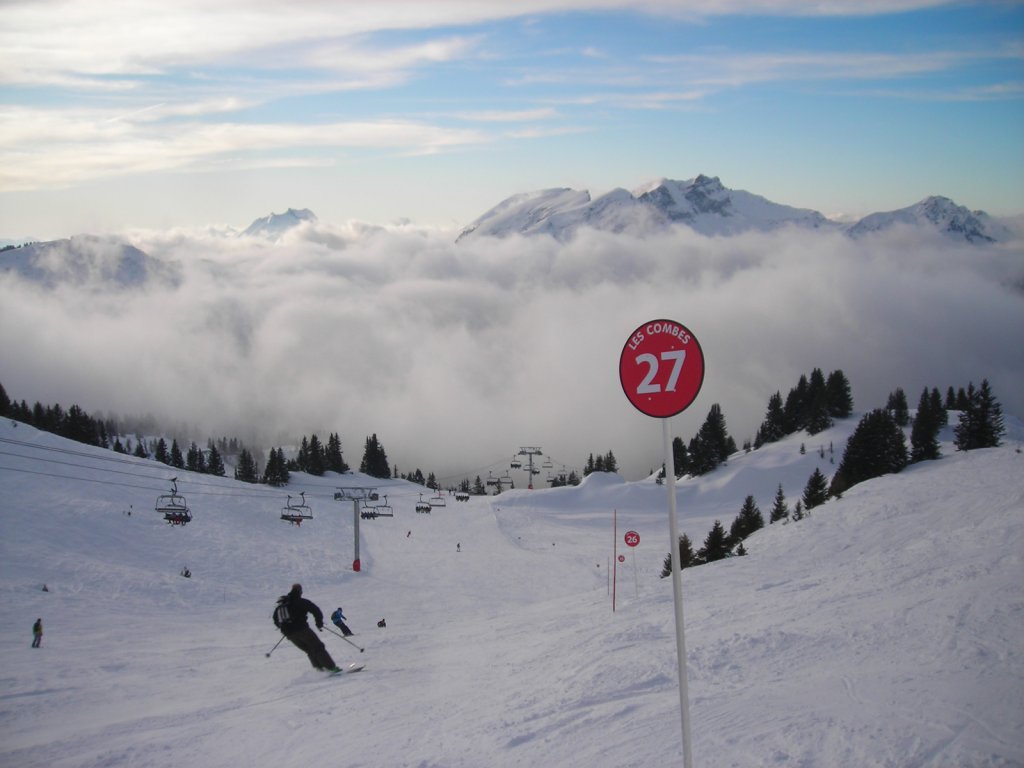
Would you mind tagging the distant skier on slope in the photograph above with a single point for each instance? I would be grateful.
(37, 633)
(339, 621)
(290, 618)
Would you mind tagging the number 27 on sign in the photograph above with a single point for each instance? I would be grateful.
(661, 368)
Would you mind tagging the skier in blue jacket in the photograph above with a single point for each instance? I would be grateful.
(339, 621)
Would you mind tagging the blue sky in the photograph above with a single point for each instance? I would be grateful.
(191, 113)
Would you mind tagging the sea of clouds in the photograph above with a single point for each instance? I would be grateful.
(456, 354)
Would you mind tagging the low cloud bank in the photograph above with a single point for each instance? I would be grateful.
(457, 354)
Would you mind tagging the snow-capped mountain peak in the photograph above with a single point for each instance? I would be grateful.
(274, 225)
(938, 212)
(702, 203)
(101, 262)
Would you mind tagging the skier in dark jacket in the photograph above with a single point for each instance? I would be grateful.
(290, 618)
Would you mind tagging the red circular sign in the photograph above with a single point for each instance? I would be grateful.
(632, 538)
(622, 558)
(661, 368)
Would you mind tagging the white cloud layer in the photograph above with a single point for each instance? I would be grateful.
(456, 355)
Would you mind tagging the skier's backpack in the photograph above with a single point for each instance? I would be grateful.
(282, 617)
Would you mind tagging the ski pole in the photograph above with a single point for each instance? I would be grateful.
(275, 647)
(343, 638)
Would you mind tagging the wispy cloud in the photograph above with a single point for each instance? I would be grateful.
(727, 68)
(509, 115)
(40, 147)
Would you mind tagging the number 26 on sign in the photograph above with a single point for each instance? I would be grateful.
(661, 368)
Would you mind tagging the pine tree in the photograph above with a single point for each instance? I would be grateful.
(160, 453)
(780, 510)
(5, 403)
(214, 464)
(950, 399)
(747, 521)
(795, 409)
(140, 450)
(194, 459)
(301, 461)
(839, 395)
(686, 557)
(938, 407)
(701, 460)
(716, 544)
(924, 435)
(276, 471)
(877, 447)
(177, 460)
(316, 462)
(816, 490)
(712, 444)
(963, 398)
(773, 428)
(898, 407)
(610, 464)
(818, 418)
(798, 510)
(680, 458)
(981, 420)
(334, 459)
(77, 425)
(375, 460)
(246, 471)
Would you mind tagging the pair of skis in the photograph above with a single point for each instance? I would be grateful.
(349, 669)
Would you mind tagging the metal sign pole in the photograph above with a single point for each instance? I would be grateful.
(677, 593)
(615, 552)
(661, 369)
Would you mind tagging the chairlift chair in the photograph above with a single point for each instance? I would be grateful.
(462, 495)
(438, 500)
(423, 506)
(173, 506)
(373, 511)
(547, 463)
(516, 463)
(296, 513)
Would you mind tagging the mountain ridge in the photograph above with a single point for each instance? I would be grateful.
(708, 207)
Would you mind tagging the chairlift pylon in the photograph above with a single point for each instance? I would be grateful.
(173, 506)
